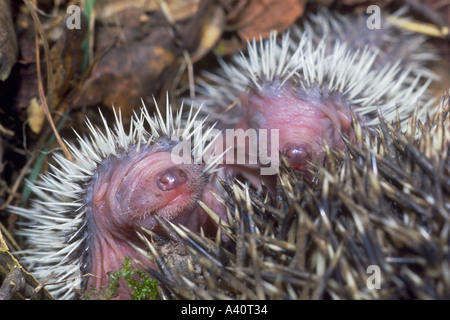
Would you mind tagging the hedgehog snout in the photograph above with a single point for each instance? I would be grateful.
(298, 155)
(171, 179)
(303, 119)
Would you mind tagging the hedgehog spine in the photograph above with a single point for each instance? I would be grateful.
(330, 63)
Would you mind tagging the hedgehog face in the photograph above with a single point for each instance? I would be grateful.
(125, 193)
(128, 189)
(168, 190)
(304, 119)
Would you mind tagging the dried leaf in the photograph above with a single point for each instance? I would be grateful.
(140, 54)
(67, 58)
(8, 42)
(8, 263)
(260, 17)
(124, 75)
(35, 115)
(211, 31)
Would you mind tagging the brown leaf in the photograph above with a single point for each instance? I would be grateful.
(140, 53)
(260, 17)
(67, 58)
(130, 70)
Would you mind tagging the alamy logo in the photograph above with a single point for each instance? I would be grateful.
(74, 20)
(374, 280)
(235, 147)
(374, 21)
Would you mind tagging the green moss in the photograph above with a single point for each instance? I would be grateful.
(142, 285)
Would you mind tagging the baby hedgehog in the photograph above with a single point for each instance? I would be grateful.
(86, 212)
(310, 84)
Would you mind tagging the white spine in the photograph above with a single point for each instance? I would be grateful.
(329, 63)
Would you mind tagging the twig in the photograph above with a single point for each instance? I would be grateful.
(427, 12)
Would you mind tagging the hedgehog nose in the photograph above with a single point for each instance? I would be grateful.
(171, 179)
(298, 156)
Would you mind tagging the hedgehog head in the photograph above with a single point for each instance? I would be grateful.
(310, 91)
(88, 211)
(127, 190)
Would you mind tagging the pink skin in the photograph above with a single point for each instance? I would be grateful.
(126, 191)
(303, 120)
